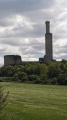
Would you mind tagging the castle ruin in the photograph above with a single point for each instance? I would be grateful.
(48, 46)
(16, 59)
(12, 60)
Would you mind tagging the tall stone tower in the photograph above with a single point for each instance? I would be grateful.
(48, 45)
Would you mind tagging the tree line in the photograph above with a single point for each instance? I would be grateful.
(39, 73)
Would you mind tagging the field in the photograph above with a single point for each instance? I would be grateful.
(35, 102)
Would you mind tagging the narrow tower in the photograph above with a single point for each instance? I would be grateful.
(48, 44)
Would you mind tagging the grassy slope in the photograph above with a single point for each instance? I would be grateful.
(35, 102)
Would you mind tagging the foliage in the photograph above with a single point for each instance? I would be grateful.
(62, 79)
(54, 73)
(43, 78)
(20, 76)
(54, 81)
(5, 79)
(54, 69)
(34, 79)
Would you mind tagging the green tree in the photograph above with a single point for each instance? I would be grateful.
(54, 70)
(43, 78)
(20, 76)
(34, 79)
(63, 67)
(62, 79)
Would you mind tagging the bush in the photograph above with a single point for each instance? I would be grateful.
(54, 70)
(54, 81)
(37, 81)
(5, 79)
(43, 78)
(33, 78)
(20, 76)
(62, 79)
(36, 72)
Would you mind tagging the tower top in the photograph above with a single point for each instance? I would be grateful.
(47, 22)
(47, 26)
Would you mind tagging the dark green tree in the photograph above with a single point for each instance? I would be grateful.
(54, 70)
(20, 76)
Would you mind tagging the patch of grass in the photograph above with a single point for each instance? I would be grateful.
(35, 102)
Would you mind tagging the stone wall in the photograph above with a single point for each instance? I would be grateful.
(12, 60)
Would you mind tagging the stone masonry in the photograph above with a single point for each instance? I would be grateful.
(48, 46)
(12, 60)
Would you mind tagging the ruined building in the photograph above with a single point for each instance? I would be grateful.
(12, 60)
(48, 46)
(16, 59)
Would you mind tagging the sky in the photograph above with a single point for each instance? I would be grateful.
(22, 28)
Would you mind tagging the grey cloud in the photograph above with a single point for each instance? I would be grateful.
(60, 57)
(60, 52)
(37, 32)
(24, 5)
(9, 8)
(34, 48)
(37, 12)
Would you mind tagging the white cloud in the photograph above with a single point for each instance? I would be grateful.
(1, 61)
(22, 27)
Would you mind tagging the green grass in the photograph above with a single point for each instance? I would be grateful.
(35, 102)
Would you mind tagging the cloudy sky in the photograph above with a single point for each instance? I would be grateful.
(22, 28)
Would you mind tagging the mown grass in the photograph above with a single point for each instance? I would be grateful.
(35, 102)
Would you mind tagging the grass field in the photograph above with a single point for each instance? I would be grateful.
(35, 102)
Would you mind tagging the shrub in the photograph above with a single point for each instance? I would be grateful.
(33, 78)
(62, 79)
(54, 81)
(20, 76)
(5, 79)
(54, 70)
(37, 81)
(43, 78)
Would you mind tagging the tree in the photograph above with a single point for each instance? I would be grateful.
(43, 78)
(54, 70)
(62, 79)
(34, 79)
(20, 76)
